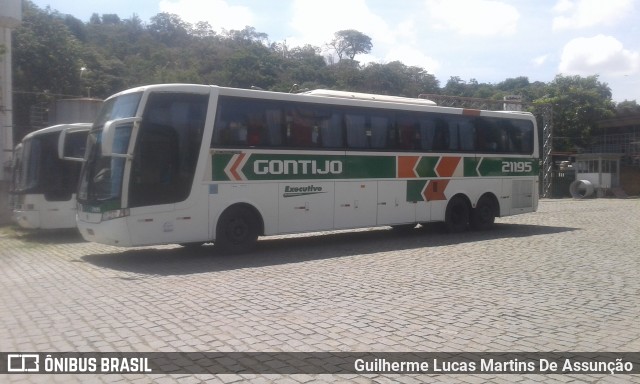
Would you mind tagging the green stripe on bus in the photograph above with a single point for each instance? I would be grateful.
(426, 166)
(370, 167)
(262, 166)
(500, 166)
(414, 190)
(219, 162)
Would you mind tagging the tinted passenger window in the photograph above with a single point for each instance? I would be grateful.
(434, 133)
(313, 126)
(244, 122)
(167, 148)
(408, 133)
(369, 129)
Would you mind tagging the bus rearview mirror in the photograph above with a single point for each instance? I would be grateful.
(116, 135)
(70, 139)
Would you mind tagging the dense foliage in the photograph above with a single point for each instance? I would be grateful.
(57, 55)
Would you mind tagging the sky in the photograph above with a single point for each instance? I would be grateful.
(486, 40)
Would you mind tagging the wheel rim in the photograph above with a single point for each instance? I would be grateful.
(238, 230)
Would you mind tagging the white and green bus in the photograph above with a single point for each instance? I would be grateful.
(190, 164)
(45, 179)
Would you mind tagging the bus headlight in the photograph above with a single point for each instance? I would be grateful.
(117, 213)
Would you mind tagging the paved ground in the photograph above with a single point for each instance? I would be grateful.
(563, 279)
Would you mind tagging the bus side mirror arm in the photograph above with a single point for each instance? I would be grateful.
(109, 132)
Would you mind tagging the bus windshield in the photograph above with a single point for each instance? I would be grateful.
(101, 178)
(164, 156)
(118, 108)
(40, 170)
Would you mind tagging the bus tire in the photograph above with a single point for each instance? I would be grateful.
(237, 230)
(456, 217)
(484, 215)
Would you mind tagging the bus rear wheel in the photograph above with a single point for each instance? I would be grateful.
(456, 217)
(237, 230)
(484, 215)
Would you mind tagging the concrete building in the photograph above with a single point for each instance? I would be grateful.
(10, 18)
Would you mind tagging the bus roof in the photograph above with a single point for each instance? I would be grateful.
(349, 97)
(368, 96)
(57, 128)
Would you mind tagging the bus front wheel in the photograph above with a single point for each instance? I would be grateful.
(237, 230)
(456, 217)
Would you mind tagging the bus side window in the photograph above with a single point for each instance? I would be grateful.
(155, 169)
(519, 136)
(255, 129)
(273, 118)
(331, 131)
(301, 130)
(527, 138)
(168, 142)
(230, 126)
(441, 136)
(466, 132)
(407, 134)
(501, 136)
(487, 135)
(356, 131)
(379, 132)
(427, 128)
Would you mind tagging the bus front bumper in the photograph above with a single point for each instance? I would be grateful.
(110, 232)
(27, 219)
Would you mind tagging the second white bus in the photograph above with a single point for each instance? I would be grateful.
(178, 163)
(45, 180)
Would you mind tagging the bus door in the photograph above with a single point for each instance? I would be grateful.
(161, 167)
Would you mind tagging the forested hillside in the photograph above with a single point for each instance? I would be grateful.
(57, 55)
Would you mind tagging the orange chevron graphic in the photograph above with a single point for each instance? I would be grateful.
(435, 190)
(407, 165)
(234, 168)
(447, 166)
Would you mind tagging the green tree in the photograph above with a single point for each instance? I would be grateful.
(627, 107)
(46, 61)
(456, 87)
(247, 34)
(170, 29)
(302, 66)
(349, 43)
(578, 104)
(346, 75)
(398, 79)
(523, 87)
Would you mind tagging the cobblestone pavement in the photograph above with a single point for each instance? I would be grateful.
(566, 278)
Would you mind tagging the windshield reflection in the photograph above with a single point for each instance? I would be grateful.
(102, 176)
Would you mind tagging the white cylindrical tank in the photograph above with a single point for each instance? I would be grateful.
(69, 111)
(10, 13)
(581, 188)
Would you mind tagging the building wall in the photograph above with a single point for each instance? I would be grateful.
(630, 180)
(10, 17)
